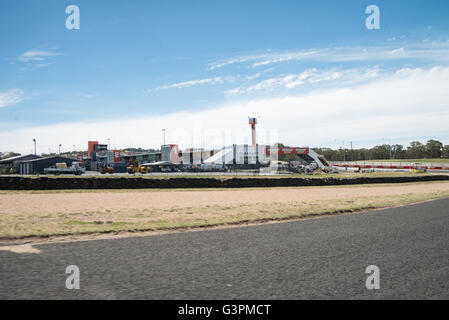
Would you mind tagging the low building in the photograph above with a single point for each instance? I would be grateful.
(143, 157)
(14, 162)
(37, 166)
(195, 155)
(245, 156)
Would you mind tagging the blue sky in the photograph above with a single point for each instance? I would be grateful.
(157, 60)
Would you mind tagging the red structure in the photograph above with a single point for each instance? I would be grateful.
(116, 156)
(253, 122)
(287, 150)
(91, 147)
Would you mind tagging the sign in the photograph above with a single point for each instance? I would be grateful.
(116, 156)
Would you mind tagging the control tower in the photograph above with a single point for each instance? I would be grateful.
(253, 122)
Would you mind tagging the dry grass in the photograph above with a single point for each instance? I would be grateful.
(256, 207)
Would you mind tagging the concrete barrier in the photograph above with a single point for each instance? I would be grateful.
(61, 183)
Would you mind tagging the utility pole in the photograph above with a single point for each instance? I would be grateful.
(34, 140)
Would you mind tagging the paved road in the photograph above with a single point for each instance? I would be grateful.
(319, 258)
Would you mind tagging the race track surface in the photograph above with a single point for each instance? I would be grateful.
(322, 258)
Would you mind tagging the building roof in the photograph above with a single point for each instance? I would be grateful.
(139, 154)
(50, 157)
(7, 160)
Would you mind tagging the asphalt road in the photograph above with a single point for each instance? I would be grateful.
(311, 259)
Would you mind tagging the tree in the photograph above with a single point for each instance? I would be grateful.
(398, 151)
(6, 155)
(380, 152)
(434, 148)
(445, 152)
(416, 150)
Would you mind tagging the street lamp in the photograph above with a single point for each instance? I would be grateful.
(34, 140)
(60, 149)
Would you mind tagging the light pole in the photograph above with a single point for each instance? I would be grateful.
(34, 140)
(163, 131)
(60, 149)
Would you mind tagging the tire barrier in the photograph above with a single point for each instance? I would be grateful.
(61, 183)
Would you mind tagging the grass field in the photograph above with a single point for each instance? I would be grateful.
(439, 160)
(25, 214)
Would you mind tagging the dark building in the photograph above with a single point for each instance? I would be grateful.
(37, 166)
(14, 162)
(142, 157)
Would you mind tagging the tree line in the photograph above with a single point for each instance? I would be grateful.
(432, 149)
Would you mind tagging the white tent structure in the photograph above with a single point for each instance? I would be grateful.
(239, 154)
(247, 156)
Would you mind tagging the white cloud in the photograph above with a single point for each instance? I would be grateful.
(407, 105)
(36, 59)
(216, 80)
(11, 97)
(436, 51)
(36, 55)
(310, 76)
(192, 83)
(400, 50)
(262, 59)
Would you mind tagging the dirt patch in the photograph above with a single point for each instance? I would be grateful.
(25, 248)
(19, 203)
